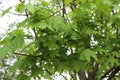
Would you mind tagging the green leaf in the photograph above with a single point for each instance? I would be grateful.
(107, 2)
(20, 8)
(5, 11)
(100, 50)
(76, 65)
(5, 50)
(43, 24)
(83, 1)
(44, 3)
(14, 39)
(58, 23)
(17, 65)
(90, 31)
(54, 53)
(60, 66)
(87, 54)
(51, 44)
(115, 54)
(18, 42)
(62, 50)
(30, 8)
(23, 23)
(113, 61)
(67, 2)
(116, 16)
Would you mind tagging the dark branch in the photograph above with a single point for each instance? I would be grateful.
(63, 10)
(82, 75)
(111, 73)
(26, 12)
(22, 1)
(27, 15)
(115, 71)
(106, 73)
(92, 74)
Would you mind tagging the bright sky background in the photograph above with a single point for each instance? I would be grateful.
(6, 20)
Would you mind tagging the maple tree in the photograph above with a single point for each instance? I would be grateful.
(79, 37)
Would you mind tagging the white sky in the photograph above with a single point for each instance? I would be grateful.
(6, 20)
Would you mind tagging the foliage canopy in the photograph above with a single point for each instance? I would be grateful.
(80, 37)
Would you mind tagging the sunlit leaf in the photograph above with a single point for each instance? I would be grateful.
(87, 54)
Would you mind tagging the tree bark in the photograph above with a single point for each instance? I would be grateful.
(82, 75)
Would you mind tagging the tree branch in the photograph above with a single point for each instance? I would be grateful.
(111, 73)
(63, 76)
(26, 12)
(91, 75)
(52, 14)
(22, 1)
(82, 75)
(27, 15)
(106, 73)
(63, 10)
(14, 13)
(115, 71)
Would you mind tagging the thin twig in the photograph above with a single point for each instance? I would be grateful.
(27, 55)
(27, 15)
(26, 12)
(14, 13)
(52, 14)
(63, 76)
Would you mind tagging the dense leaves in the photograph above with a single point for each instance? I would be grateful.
(80, 37)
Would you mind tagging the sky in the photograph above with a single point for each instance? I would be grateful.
(9, 18)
